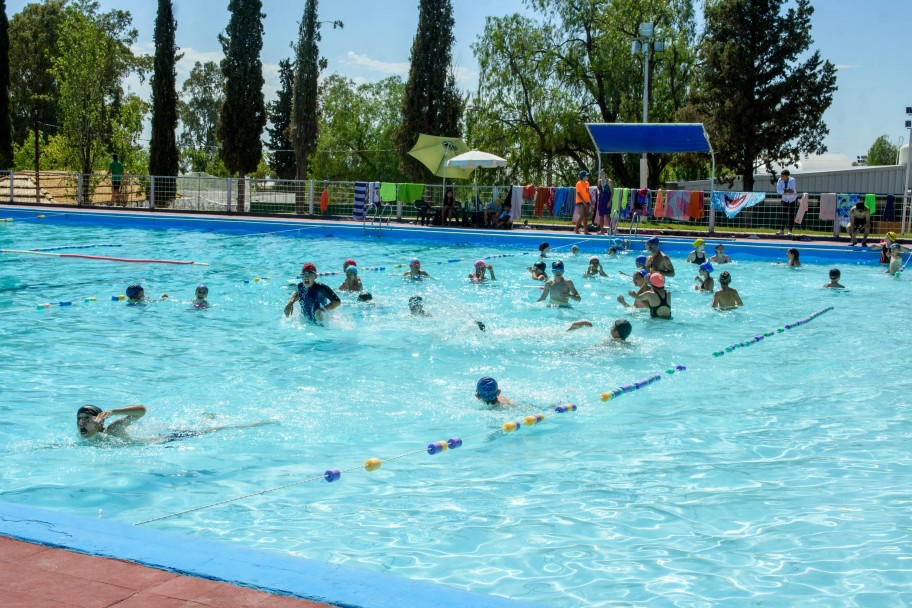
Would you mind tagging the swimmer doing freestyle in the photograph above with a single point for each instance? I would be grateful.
(90, 422)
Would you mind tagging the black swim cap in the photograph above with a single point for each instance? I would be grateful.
(89, 409)
(623, 327)
(544, 246)
(415, 301)
(725, 277)
(365, 296)
(539, 265)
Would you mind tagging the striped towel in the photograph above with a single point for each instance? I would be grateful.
(360, 198)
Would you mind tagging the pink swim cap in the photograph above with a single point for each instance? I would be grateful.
(657, 280)
(480, 264)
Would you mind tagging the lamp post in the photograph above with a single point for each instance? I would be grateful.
(902, 228)
(647, 43)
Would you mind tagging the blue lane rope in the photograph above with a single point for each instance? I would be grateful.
(62, 247)
(511, 426)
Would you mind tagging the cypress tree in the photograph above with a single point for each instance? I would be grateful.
(163, 155)
(304, 110)
(431, 103)
(279, 112)
(243, 113)
(6, 124)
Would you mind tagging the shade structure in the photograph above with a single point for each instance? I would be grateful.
(476, 159)
(433, 152)
(635, 138)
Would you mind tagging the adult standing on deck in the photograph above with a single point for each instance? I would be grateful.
(582, 202)
(658, 261)
(115, 168)
(787, 189)
(315, 298)
(605, 194)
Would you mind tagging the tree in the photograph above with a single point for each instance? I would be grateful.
(356, 125)
(33, 34)
(542, 78)
(760, 102)
(243, 113)
(431, 103)
(94, 57)
(6, 127)
(163, 157)
(201, 101)
(882, 152)
(282, 159)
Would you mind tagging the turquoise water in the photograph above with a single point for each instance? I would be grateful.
(775, 475)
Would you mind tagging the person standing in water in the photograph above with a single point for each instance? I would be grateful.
(315, 298)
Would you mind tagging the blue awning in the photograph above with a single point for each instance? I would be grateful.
(636, 138)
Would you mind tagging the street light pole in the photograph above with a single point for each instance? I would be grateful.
(644, 163)
(905, 213)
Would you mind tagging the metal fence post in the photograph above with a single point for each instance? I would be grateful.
(228, 192)
(310, 196)
(79, 179)
(712, 215)
(12, 189)
(152, 193)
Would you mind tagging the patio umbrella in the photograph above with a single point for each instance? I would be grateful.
(433, 152)
(476, 159)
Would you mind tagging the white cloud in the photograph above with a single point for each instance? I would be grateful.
(375, 65)
(191, 56)
(845, 66)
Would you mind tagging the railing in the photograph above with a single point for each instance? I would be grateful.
(335, 200)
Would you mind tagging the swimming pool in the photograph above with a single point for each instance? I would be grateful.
(775, 474)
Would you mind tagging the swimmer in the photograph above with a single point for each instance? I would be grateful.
(90, 424)
(595, 267)
(895, 259)
(888, 241)
(365, 297)
(136, 294)
(658, 261)
(538, 271)
(834, 280)
(543, 250)
(657, 298)
(559, 289)
(574, 250)
(720, 257)
(486, 390)
(347, 263)
(793, 257)
(640, 262)
(415, 271)
(202, 292)
(698, 255)
(612, 252)
(726, 298)
(620, 331)
(641, 282)
(315, 298)
(416, 307)
(481, 269)
(704, 278)
(352, 282)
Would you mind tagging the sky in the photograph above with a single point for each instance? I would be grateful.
(868, 42)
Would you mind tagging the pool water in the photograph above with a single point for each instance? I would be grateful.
(774, 475)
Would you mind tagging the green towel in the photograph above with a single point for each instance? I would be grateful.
(869, 202)
(409, 193)
(387, 192)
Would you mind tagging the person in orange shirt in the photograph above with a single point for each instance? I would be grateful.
(582, 202)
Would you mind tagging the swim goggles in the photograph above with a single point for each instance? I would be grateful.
(308, 275)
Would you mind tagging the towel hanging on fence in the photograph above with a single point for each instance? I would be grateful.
(844, 204)
(517, 198)
(409, 193)
(695, 206)
(828, 206)
(387, 192)
(733, 203)
(802, 208)
(889, 213)
(541, 199)
(871, 203)
(324, 201)
(360, 199)
(659, 209)
(676, 204)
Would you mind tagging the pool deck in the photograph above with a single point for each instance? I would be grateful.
(36, 575)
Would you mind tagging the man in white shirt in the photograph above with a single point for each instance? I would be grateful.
(786, 188)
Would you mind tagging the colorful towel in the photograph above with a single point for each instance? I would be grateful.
(388, 192)
(802, 208)
(844, 204)
(360, 198)
(695, 206)
(642, 201)
(828, 206)
(541, 199)
(871, 203)
(676, 203)
(564, 201)
(659, 210)
(552, 194)
(733, 203)
(409, 193)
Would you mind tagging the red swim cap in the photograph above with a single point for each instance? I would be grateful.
(349, 262)
(309, 267)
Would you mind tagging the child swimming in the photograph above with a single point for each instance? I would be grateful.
(834, 280)
(793, 257)
(704, 279)
(595, 267)
(895, 259)
(486, 390)
(415, 271)
(720, 257)
(559, 289)
(352, 281)
(202, 292)
(416, 307)
(537, 270)
(481, 268)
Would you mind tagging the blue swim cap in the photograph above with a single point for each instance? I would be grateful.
(133, 290)
(486, 388)
(641, 259)
(642, 272)
(706, 267)
(653, 241)
(415, 301)
(557, 266)
(352, 269)
(202, 287)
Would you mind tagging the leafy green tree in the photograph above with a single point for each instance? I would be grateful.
(163, 156)
(356, 126)
(6, 127)
(544, 75)
(201, 100)
(431, 103)
(882, 152)
(282, 158)
(243, 113)
(760, 94)
(94, 57)
(33, 34)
